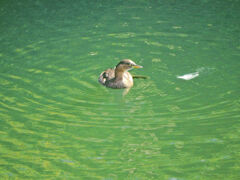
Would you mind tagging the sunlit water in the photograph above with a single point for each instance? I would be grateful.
(58, 122)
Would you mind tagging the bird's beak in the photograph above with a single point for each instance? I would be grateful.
(137, 66)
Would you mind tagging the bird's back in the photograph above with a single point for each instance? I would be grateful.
(106, 76)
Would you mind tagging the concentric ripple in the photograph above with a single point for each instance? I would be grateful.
(58, 122)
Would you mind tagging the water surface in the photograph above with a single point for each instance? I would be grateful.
(58, 122)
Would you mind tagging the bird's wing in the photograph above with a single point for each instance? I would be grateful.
(106, 76)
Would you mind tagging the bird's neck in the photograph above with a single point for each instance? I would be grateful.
(119, 73)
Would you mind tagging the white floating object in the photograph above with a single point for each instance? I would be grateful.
(189, 76)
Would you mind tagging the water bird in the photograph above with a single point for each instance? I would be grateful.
(119, 77)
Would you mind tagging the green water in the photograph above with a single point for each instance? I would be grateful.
(58, 122)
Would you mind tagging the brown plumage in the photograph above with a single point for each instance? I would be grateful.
(119, 77)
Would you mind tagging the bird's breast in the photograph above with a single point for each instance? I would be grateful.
(127, 79)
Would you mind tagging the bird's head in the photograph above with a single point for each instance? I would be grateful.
(127, 64)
